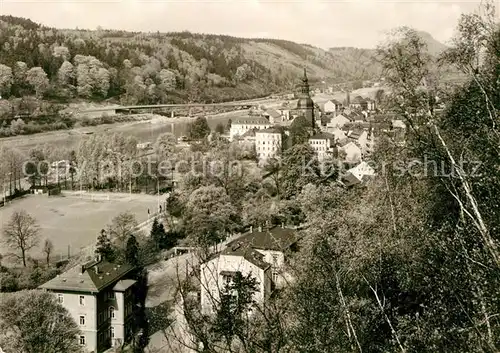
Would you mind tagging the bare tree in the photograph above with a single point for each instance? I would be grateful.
(48, 248)
(21, 233)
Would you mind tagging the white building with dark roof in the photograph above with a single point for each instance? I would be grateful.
(261, 254)
(241, 125)
(358, 174)
(100, 297)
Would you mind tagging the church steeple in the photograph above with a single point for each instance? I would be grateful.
(305, 104)
(304, 87)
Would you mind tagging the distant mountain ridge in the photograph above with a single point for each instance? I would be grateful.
(177, 66)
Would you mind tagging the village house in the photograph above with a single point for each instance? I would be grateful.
(337, 133)
(262, 255)
(338, 121)
(99, 295)
(267, 143)
(357, 103)
(241, 125)
(247, 139)
(322, 144)
(284, 112)
(350, 150)
(360, 137)
(358, 174)
(331, 106)
(274, 116)
(370, 104)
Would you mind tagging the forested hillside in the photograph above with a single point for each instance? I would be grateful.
(155, 67)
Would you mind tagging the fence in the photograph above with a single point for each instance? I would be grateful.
(93, 196)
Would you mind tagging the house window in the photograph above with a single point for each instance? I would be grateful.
(82, 320)
(82, 340)
(111, 312)
(60, 298)
(275, 276)
(111, 295)
(275, 259)
(82, 300)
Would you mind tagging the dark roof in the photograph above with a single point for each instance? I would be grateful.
(349, 179)
(247, 246)
(255, 120)
(271, 130)
(274, 113)
(249, 133)
(358, 100)
(91, 277)
(277, 239)
(248, 253)
(355, 134)
(322, 136)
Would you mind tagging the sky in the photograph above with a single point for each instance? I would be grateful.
(323, 23)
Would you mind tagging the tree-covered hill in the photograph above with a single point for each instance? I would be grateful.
(137, 67)
(146, 68)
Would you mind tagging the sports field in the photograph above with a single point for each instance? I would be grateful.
(73, 221)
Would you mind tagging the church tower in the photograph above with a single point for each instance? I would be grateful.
(305, 104)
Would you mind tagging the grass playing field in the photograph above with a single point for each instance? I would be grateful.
(72, 221)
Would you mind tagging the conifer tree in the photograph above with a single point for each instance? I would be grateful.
(132, 251)
(104, 247)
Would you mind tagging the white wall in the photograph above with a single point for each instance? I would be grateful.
(321, 147)
(353, 153)
(338, 121)
(267, 144)
(211, 280)
(71, 301)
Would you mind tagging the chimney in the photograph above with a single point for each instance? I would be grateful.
(251, 229)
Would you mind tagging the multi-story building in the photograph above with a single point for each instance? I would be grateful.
(241, 125)
(99, 295)
(261, 254)
(267, 143)
(322, 144)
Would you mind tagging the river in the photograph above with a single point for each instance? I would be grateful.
(144, 131)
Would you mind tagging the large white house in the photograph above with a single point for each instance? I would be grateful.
(261, 254)
(100, 297)
(267, 143)
(241, 125)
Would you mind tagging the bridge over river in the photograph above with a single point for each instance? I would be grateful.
(115, 109)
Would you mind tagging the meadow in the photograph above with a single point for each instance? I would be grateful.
(74, 222)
